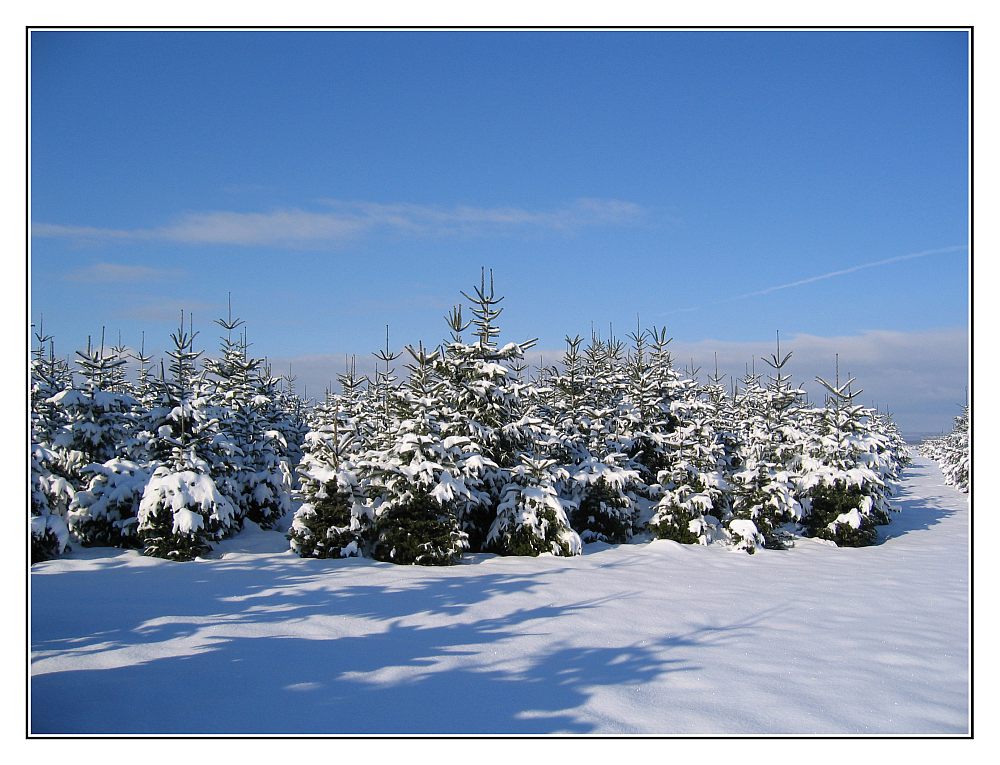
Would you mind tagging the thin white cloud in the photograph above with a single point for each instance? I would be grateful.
(438, 219)
(851, 270)
(342, 221)
(116, 273)
(86, 233)
(823, 277)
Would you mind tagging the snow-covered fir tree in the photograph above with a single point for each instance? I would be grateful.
(485, 402)
(96, 422)
(601, 499)
(531, 518)
(691, 489)
(764, 487)
(182, 510)
(470, 451)
(106, 512)
(51, 487)
(334, 520)
(424, 480)
(256, 478)
(845, 482)
(594, 423)
(953, 452)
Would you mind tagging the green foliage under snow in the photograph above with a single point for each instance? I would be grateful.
(470, 449)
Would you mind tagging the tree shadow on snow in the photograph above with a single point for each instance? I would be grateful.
(401, 676)
(917, 513)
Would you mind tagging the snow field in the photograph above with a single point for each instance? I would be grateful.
(647, 638)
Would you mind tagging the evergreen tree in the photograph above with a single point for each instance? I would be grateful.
(95, 423)
(334, 520)
(51, 488)
(381, 390)
(603, 512)
(182, 510)
(424, 481)
(846, 497)
(51, 495)
(252, 472)
(483, 402)
(770, 458)
(693, 493)
(106, 512)
(418, 530)
(952, 452)
(657, 390)
(531, 519)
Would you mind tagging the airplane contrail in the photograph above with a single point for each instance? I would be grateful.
(851, 270)
(828, 275)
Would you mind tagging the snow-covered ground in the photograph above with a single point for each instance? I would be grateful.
(642, 638)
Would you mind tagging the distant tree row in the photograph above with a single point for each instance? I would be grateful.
(469, 450)
(952, 452)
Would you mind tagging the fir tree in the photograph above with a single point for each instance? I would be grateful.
(952, 452)
(765, 484)
(95, 422)
(253, 473)
(182, 510)
(106, 512)
(422, 470)
(51, 486)
(334, 520)
(418, 531)
(51, 496)
(845, 497)
(602, 509)
(531, 519)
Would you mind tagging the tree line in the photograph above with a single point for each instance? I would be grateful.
(441, 451)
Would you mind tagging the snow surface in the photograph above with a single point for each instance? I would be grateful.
(649, 637)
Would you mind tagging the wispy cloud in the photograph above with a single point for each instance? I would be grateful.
(340, 221)
(467, 219)
(116, 273)
(825, 276)
(851, 270)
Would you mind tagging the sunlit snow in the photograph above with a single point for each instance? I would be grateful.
(649, 637)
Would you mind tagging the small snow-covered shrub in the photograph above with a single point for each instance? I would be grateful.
(745, 536)
(680, 516)
(333, 523)
(106, 512)
(841, 513)
(419, 531)
(603, 512)
(51, 497)
(953, 452)
(530, 517)
(181, 513)
(604, 515)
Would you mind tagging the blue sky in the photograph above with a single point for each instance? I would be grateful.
(725, 184)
